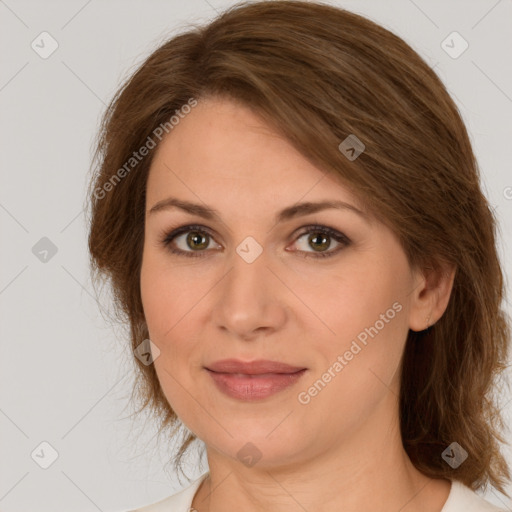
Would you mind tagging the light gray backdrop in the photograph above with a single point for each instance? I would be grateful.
(64, 373)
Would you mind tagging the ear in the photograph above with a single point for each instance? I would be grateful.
(430, 296)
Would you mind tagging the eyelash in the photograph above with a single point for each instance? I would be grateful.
(168, 238)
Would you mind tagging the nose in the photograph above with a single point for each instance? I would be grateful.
(250, 300)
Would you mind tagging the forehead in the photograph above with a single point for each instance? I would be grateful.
(222, 151)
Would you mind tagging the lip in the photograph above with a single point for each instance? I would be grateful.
(256, 367)
(253, 380)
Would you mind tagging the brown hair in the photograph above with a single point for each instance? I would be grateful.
(317, 74)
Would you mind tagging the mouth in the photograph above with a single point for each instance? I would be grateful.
(254, 386)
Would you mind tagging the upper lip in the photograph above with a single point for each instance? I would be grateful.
(256, 367)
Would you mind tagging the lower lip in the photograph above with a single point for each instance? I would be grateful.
(254, 387)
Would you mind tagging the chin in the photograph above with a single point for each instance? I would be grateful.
(256, 448)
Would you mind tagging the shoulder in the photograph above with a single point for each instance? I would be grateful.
(179, 502)
(464, 499)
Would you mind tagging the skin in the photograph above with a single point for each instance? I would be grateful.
(342, 450)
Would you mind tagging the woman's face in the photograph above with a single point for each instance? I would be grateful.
(253, 287)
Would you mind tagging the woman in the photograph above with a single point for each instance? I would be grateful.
(288, 209)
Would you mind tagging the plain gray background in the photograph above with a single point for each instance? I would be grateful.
(65, 377)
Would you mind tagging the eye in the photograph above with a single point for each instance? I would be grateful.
(320, 237)
(198, 238)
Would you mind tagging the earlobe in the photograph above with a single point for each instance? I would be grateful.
(430, 298)
(428, 320)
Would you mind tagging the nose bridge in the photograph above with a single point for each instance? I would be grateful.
(248, 298)
(248, 274)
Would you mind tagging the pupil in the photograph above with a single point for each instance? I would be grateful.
(323, 238)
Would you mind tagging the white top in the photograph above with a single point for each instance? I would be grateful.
(460, 499)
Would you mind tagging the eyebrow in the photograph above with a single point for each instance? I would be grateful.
(286, 214)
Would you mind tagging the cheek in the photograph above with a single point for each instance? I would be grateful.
(366, 309)
(168, 298)
(352, 299)
(356, 372)
(166, 304)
